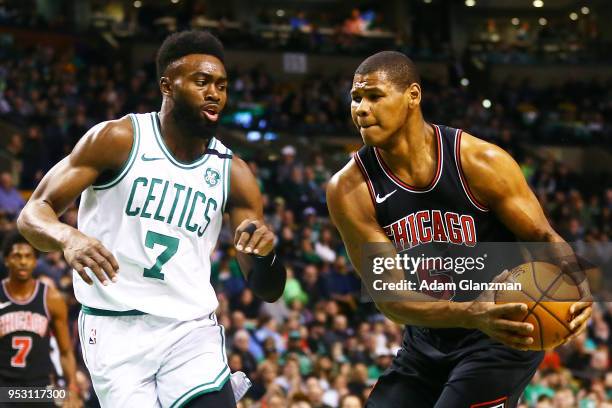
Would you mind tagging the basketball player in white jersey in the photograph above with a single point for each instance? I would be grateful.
(154, 187)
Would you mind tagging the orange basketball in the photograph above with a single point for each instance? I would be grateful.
(548, 293)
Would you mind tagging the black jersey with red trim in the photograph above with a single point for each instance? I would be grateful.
(441, 219)
(24, 337)
(445, 211)
(444, 218)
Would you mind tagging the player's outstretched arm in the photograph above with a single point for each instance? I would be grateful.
(103, 148)
(253, 239)
(497, 182)
(353, 213)
(59, 321)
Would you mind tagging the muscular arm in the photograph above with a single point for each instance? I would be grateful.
(59, 321)
(497, 182)
(246, 208)
(104, 147)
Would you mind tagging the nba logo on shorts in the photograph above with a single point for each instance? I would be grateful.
(92, 336)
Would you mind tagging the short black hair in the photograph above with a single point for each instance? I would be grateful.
(400, 69)
(177, 45)
(14, 238)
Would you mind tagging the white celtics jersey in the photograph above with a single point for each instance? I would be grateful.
(161, 219)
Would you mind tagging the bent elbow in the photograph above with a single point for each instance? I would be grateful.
(21, 222)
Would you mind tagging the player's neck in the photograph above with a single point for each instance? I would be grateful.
(412, 156)
(183, 145)
(20, 289)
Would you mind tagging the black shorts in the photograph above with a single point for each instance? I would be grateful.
(454, 368)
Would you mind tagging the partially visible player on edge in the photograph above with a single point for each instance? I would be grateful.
(454, 354)
(154, 187)
(29, 310)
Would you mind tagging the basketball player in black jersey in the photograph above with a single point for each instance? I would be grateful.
(29, 309)
(414, 184)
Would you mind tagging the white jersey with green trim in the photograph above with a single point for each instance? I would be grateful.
(161, 219)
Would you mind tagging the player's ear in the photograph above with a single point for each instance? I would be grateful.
(164, 86)
(413, 93)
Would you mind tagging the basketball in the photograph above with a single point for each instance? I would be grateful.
(549, 294)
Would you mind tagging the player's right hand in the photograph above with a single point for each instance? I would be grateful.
(491, 319)
(83, 252)
(494, 319)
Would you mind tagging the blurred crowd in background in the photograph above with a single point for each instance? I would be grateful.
(56, 96)
(320, 346)
(423, 28)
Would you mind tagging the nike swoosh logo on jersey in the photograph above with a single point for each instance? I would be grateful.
(145, 158)
(380, 199)
(5, 304)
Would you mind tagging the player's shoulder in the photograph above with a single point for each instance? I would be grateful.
(240, 167)
(106, 145)
(47, 284)
(54, 298)
(115, 132)
(490, 170)
(243, 185)
(346, 178)
(478, 155)
(347, 187)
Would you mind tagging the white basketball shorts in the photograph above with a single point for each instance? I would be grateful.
(145, 361)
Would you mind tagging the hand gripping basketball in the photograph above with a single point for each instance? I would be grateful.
(555, 300)
(492, 319)
(253, 237)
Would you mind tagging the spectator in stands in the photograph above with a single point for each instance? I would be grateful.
(299, 22)
(241, 347)
(248, 304)
(355, 24)
(10, 158)
(286, 165)
(350, 401)
(269, 331)
(314, 392)
(34, 158)
(324, 247)
(11, 201)
(342, 284)
(313, 285)
(290, 380)
(293, 289)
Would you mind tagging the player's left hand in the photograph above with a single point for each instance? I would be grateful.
(581, 312)
(253, 237)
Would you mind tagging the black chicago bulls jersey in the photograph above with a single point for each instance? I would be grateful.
(445, 211)
(24, 337)
(444, 367)
(438, 220)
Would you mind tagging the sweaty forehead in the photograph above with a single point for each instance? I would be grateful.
(192, 63)
(376, 79)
